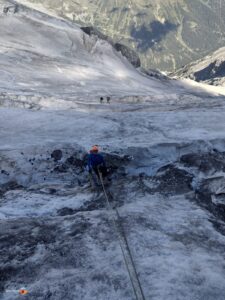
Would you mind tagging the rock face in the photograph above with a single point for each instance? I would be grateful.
(127, 52)
(130, 54)
(166, 34)
(90, 30)
(210, 69)
(10, 9)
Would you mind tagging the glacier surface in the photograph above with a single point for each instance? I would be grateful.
(164, 141)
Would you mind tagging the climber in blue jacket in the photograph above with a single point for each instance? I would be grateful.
(96, 162)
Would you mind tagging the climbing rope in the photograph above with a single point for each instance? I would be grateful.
(127, 256)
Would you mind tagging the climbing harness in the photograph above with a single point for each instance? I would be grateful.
(127, 256)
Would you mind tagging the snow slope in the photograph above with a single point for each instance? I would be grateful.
(47, 62)
(49, 57)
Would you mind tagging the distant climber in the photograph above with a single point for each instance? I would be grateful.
(108, 99)
(96, 162)
(101, 100)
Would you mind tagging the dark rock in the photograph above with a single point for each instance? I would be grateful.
(75, 162)
(115, 161)
(12, 9)
(52, 191)
(130, 54)
(66, 211)
(90, 30)
(154, 73)
(191, 160)
(4, 172)
(11, 185)
(205, 162)
(205, 193)
(57, 155)
(173, 180)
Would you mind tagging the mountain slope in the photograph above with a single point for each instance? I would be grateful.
(49, 57)
(210, 70)
(47, 62)
(167, 34)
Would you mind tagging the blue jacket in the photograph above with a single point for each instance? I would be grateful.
(95, 160)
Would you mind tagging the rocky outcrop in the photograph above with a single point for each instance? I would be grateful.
(57, 155)
(210, 70)
(127, 52)
(90, 30)
(10, 9)
(130, 54)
